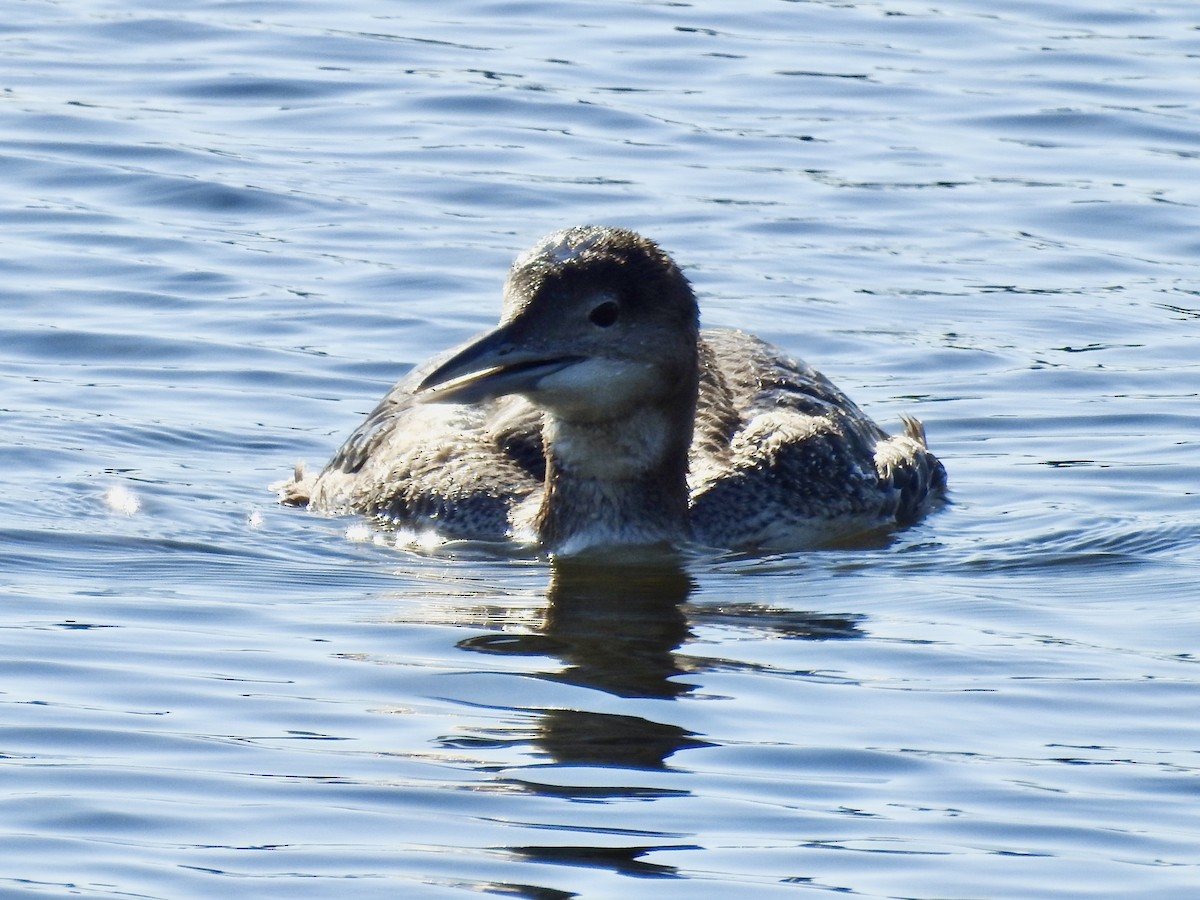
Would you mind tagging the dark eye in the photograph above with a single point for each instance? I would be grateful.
(605, 314)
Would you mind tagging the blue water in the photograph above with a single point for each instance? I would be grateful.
(229, 227)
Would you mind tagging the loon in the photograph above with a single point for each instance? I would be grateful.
(598, 415)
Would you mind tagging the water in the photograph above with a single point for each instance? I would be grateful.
(229, 227)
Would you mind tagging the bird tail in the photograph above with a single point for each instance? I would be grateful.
(296, 491)
(916, 473)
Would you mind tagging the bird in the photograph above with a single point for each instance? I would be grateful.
(597, 416)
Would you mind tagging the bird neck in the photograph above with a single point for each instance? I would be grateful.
(617, 482)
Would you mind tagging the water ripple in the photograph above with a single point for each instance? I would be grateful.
(229, 229)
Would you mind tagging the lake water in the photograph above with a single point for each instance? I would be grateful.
(229, 227)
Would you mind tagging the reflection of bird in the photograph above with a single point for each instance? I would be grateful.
(597, 414)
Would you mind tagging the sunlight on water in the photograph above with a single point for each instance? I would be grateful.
(122, 500)
(231, 228)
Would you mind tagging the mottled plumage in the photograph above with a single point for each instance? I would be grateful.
(597, 414)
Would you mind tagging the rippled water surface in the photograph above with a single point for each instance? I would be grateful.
(229, 226)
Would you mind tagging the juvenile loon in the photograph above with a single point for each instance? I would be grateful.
(598, 414)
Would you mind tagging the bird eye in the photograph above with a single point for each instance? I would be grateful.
(605, 314)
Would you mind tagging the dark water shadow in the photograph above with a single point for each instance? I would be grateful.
(621, 630)
(614, 629)
(622, 860)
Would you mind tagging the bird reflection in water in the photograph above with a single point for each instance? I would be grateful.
(620, 630)
(615, 629)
